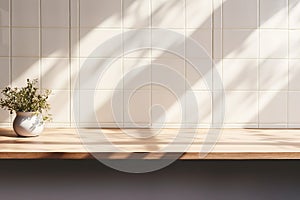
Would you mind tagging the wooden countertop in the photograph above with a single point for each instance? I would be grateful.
(231, 144)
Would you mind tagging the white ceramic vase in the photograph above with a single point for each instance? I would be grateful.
(28, 124)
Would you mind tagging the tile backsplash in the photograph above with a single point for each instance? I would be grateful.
(254, 45)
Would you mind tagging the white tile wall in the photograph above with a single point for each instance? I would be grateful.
(23, 68)
(60, 107)
(55, 73)
(294, 37)
(55, 42)
(204, 113)
(240, 43)
(25, 42)
(294, 74)
(294, 14)
(240, 74)
(166, 108)
(273, 109)
(195, 79)
(137, 107)
(293, 108)
(100, 13)
(254, 45)
(274, 43)
(5, 73)
(199, 14)
(4, 42)
(241, 108)
(4, 12)
(90, 39)
(273, 74)
(61, 10)
(25, 13)
(168, 13)
(136, 13)
(270, 20)
(240, 14)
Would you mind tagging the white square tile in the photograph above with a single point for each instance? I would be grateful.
(217, 13)
(218, 75)
(294, 14)
(218, 108)
(273, 44)
(55, 73)
(293, 110)
(55, 42)
(93, 39)
(241, 107)
(74, 71)
(168, 13)
(75, 102)
(169, 72)
(199, 78)
(137, 43)
(204, 39)
(89, 72)
(5, 74)
(24, 68)
(273, 107)
(136, 14)
(108, 106)
(74, 12)
(137, 73)
(94, 75)
(4, 42)
(85, 110)
(60, 106)
(240, 43)
(294, 50)
(25, 13)
(273, 74)
(4, 12)
(75, 40)
(294, 74)
(100, 13)
(198, 14)
(167, 47)
(217, 43)
(137, 107)
(167, 108)
(273, 13)
(4, 116)
(198, 107)
(240, 74)
(55, 13)
(112, 77)
(25, 42)
(240, 14)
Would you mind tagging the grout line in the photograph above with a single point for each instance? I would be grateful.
(70, 63)
(288, 50)
(185, 65)
(40, 44)
(10, 51)
(151, 62)
(79, 61)
(223, 96)
(122, 36)
(212, 24)
(258, 64)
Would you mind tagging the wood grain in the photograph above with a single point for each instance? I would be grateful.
(241, 144)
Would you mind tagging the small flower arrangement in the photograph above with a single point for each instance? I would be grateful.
(27, 99)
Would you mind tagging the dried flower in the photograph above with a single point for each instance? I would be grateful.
(26, 99)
